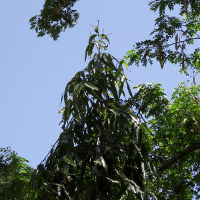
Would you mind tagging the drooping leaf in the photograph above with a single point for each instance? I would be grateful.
(92, 37)
(91, 86)
(103, 36)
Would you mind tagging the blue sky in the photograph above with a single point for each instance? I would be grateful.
(34, 71)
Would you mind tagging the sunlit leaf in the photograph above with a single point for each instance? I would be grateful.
(91, 86)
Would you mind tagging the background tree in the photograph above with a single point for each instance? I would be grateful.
(15, 176)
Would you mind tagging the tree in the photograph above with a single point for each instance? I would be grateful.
(119, 143)
(15, 176)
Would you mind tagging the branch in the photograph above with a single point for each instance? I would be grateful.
(179, 156)
(178, 42)
(196, 38)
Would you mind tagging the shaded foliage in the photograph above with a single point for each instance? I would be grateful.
(15, 175)
(176, 144)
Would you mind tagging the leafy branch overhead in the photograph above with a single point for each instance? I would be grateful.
(55, 17)
(171, 37)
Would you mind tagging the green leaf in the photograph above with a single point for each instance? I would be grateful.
(125, 63)
(90, 85)
(62, 111)
(129, 90)
(113, 88)
(115, 111)
(96, 29)
(69, 161)
(103, 36)
(89, 50)
(92, 38)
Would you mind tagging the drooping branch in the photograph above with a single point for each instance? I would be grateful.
(179, 156)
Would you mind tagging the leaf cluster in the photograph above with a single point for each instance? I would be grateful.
(171, 36)
(55, 17)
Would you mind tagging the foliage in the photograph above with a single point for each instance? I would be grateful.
(172, 36)
(120, 142)
(15, 175)
(176, 144)
(116, 143)
(98, 145)
(54, 18)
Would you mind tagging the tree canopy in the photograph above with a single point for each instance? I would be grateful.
(172, 36)
(15, 176)
(120, 141)
(55, 17)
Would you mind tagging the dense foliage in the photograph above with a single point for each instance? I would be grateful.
(15, 176)
(100, 153)
(118, 141)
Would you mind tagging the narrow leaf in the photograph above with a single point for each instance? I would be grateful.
(89, 49)
(146, 54)
(176, 40)
(183, 64)
(91, 86)
(103, 36)
(92, 38)
(62, 111)
(129, 90)
(115, 111)
(125, 63)
(67, 160)
(160, 56)
(96, 29)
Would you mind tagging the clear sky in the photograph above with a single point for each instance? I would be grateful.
(34, 71)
